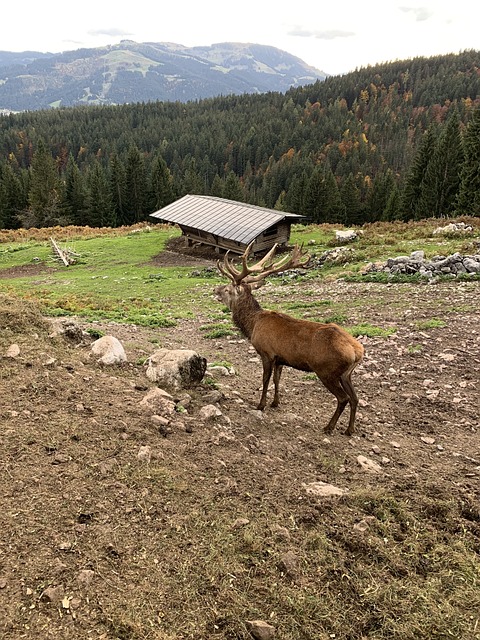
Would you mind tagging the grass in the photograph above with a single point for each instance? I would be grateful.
(114, 278)
(432, 323)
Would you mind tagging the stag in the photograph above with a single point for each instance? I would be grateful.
(280, 340)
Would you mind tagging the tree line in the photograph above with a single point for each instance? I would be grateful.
(392, 141)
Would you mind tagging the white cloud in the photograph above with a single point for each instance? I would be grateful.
(420, 13)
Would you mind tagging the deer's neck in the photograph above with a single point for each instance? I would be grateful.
(245, 311)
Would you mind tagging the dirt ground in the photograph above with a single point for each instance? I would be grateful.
(89, 528)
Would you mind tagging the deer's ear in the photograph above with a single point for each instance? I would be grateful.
(256, 285)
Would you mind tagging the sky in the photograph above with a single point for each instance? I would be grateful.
(335, 37)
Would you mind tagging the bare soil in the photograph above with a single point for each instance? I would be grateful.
(96, 542)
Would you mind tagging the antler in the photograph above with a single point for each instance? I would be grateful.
(264, 267)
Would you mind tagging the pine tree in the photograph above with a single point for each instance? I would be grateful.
(233, 189)
(468, 201)
(334, 207)
(393, 209)
(118, 190)
(314, 202)
(416, 174)
(217, 187)
(45, 189)
(295, 197)
(378, 196)
(12, 198)
(100, 210)
(161, 185)
(75, 195)
(136, 196)
(350, 195)
(442, 178)
(322, 198)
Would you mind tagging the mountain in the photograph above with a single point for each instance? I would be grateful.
(143, 72)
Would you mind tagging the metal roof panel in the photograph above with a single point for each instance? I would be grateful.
(229, 219)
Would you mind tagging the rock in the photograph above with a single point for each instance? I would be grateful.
(219, 370)
(323, 490)
(13, 351)
(281, 533)
(453, 265)
(361, 526)
(472, 265)
(158, 401)
(85, 577)
(346, 236)
(176, 368)
(209, 412)
(454, 228)
(369, 465)
(240, 522)
(68, 329)
(260, 629)
(110, 350)
(427, 440)
(289, 564)
(144, 454)
(53, 594)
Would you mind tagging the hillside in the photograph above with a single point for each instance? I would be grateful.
(396, 141)
(124, 519)
(144, 72)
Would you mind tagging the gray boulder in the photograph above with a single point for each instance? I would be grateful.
(176, 368)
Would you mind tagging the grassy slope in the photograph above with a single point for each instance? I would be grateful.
(114, 277)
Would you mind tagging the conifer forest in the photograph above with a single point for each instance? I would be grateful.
(397, 141)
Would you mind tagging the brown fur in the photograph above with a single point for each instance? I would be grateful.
(280, 340)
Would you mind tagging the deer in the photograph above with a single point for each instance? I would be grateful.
(281, 340)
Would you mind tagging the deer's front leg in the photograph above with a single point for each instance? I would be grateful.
(277, 372)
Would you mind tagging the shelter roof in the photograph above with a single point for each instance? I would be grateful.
(229, 219)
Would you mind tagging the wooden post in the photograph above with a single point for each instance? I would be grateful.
(61, 254)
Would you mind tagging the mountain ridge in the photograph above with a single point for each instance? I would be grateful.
(142, 72)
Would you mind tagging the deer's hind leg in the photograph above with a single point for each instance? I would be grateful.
(349, 389)
(336, 387)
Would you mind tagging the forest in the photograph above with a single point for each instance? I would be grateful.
(397, 141)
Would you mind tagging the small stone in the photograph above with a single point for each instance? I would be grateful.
(427, 440)
(240, 522)
(323, 489)
(53, 594)
(369, 465)
(144, 454)
(13, 351)
(280, 532)
(289, 563)
(260, 629)
(209, 412)
(60, 458)
(361, 526)
(85, 577)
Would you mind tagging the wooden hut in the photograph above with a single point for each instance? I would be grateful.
(226, 224)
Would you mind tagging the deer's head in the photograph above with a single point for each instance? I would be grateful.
(248, 277)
